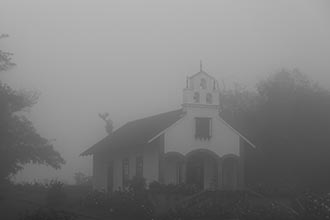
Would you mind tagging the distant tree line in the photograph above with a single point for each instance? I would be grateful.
(288, 119)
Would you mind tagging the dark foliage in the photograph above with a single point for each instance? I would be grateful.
(314, 206)
(228, 205)
(133, 203)
(82, 180)
(30, 187)
(288, 119)
(48, 214)
(20, 143)
(137, 185)
(56, 195)
(123, 204)
(181, 189)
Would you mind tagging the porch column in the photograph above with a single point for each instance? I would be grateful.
(161, 167)
(219, 172)
(184, 172)
(241, 173)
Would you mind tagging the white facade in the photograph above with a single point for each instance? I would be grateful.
(176, 154)
(103, 161)
(181, 138)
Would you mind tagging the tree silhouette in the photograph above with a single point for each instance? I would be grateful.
(19, 141)
(288, 119)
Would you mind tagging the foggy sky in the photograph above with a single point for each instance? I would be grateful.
(130, 58)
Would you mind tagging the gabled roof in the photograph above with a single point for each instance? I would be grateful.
(202, 72)
(136, 133)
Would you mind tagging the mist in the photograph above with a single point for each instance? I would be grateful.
(131, 58)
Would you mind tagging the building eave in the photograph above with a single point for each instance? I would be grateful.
(237, 132)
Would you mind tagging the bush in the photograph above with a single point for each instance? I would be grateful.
(137, 185)
(96, 199)
(315, 206)
(48, 214)
(180, 189)
(82, 180)
(228, 205)
(31, 187)
(279, 190)
(124, 204)
(131, 204)
(55, 193)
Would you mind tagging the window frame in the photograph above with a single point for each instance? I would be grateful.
(203, 84)
(179, 172)
(209, 98)
(125, 175)
(210, 131)
(197, 97)
(139, 166)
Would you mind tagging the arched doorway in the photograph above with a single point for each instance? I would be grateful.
(201, 169)
(230, 173)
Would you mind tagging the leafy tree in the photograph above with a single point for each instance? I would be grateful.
(288, 119)
(294, 124)
(239, 108)
(19, 141)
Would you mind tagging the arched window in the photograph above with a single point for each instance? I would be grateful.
(209, 98)
(203, 84)
(196, 97)
(125, 172)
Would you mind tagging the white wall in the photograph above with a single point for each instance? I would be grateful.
(151, 162)
(119, 156)
(178, 138)
(101, 162)
(99, 172)
(194, 86)
(181, 136)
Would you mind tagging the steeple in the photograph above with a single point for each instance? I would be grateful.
(202, 90)
(200, 66)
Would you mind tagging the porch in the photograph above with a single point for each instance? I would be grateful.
(202, 168)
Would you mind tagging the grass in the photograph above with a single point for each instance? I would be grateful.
(16, 201)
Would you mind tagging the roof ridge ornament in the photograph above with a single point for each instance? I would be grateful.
(200, 66)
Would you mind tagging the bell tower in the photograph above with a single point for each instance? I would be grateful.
(202, 91)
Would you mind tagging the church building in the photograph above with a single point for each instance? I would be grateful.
(191, 145)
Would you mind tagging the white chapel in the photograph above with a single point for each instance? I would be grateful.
(191, 145)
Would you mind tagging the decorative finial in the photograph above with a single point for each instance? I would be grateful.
(200, 66)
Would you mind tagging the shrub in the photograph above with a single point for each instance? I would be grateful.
(180, 189)
(55, 193)
(48, 214)
(82, 180)
(131, 204)
(228, 205)
(31, 187)
(137, 184)
(121, 203)
(95, 199)
(315, 206)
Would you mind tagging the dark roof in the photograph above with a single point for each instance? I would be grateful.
(136, 133)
